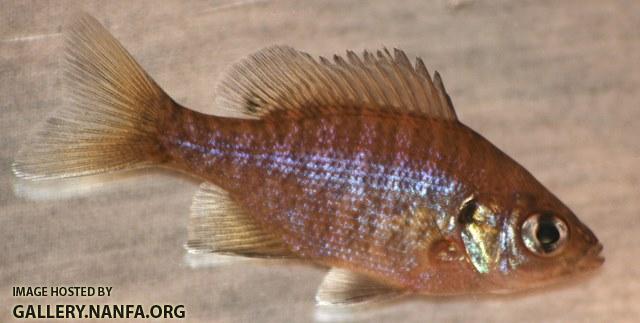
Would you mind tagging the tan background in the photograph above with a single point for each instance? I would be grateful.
(553, 83)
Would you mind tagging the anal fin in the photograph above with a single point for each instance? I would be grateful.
(218, 225)
(342, 287)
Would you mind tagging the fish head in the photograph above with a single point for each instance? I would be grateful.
(528, 240)
(552, 243)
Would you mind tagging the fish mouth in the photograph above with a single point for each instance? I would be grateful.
(592, 258)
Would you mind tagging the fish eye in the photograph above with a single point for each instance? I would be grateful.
(544, 234)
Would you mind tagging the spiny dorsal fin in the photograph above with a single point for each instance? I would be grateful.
(218, 225)
(282, 78)
(342, 287)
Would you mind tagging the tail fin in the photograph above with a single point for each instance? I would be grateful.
(110, 122)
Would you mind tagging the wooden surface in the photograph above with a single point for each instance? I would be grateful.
(553, 83)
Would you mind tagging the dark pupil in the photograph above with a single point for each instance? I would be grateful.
(547, 234)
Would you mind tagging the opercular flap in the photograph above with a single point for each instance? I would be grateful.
(342, 287)
(218, 225)
(282, 78)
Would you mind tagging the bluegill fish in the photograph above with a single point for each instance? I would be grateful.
(358, 163)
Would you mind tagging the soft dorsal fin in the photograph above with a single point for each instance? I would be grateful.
(218, 225)
(342, 287)
(282, 78)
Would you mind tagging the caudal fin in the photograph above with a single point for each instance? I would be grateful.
(110, 122)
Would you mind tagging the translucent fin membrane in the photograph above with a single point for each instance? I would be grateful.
(282, 78)
(109, 122)
(218, 225)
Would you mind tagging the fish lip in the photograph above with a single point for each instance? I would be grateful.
(593, 258)
(598, 248)
(598, 253)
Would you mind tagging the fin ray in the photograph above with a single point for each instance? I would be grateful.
(342, 287)
(109, 122)
(218, 225)
(282, 78)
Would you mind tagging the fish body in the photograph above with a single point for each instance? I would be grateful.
(372, 191)
(358, 164)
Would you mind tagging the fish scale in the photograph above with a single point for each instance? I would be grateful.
(359, 164)
(330, 214)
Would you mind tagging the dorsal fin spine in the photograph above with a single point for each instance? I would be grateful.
(363, 88)
(429, 83)
(406, 80)
(401, 58)
(381, 88)
(281, 78)
(391, 86)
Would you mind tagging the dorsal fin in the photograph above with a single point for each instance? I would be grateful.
(282, 78)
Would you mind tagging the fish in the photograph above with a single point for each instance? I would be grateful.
(357, 163)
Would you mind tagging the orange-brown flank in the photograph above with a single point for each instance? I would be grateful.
(358, 163)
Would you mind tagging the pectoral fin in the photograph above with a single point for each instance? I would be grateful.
(342, 287)
(219, 226)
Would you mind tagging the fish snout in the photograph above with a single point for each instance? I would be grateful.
(593, 257)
